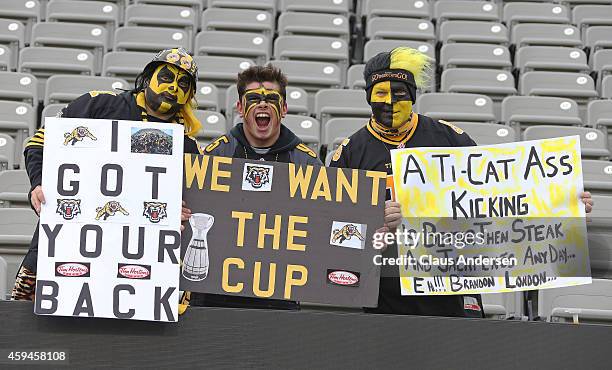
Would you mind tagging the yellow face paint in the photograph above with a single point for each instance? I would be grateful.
(169, 89)
(391, 103)
(251, 98)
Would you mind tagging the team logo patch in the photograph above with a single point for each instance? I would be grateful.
(342, 277)
(257, 177)
(78, 135)
(154, 211)
(72, 269)
(132, 271)
(68, 208)
(348, 234)
(109, 210)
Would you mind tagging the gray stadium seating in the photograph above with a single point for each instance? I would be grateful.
(338, 129)
(503, 305)
(310, 76)
(400, 29)
(314, 24)
(12, 35)
(599, 233)
(599, 113)
(151, 39)
(7, 152)
(104, 14)
(526, 34)
(6, 59)
(222, 71)
(307, 129)
(577, 86)
(475, 55)
(550, 58)
(487, 133)
(125, 64)
(374, 47)
(51, 110)
(242, 20)
(335, 103)
(268, 5)
(316, 6)
(195, 5)
(19, 87)
(25, 11)
(584, 16)
(597, 176)
(313, 48)
(524, 111)
(213, 126)
(354, 77)
(474, 32)
(4, 287)
(66, 88)
(444, 10)
(606, 87)
(174, 17)
(598, 37)
(17, 119)
(601, 62)
(14, 187)
(590, 302)
(393, 8)
(207, 97)
(529, 12)
(234, 44)
(592, 141)
(16, 228)
(456, 107)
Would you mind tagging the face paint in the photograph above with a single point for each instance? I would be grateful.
(391, 103)
(262, 107)
(169, 89)
(252, 98)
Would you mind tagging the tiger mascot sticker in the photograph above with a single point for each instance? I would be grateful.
(110, 209)
(68, 208)
(346, 233)
(77, 135)
(154, 211)
(257, 177)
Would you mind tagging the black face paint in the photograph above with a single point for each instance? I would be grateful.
(253, 97)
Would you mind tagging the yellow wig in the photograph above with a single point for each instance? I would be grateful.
(414, 62)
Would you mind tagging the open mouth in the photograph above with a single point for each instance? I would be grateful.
(262, 119)
(168, 96)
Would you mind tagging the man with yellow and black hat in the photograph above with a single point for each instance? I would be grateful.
(163, 92)
(392, 79)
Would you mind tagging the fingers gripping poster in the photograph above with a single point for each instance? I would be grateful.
(493, 218)
(281, 231)
(109, 235)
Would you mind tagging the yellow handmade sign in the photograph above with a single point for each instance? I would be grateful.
(492, 218)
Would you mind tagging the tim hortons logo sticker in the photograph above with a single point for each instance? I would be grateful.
(131, 271)
(72, 269)
(343, 277)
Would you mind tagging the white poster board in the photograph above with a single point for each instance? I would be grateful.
(109, 236)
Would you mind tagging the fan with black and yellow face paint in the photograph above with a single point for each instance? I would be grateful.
(169, 89)
(391, 103)
(253, 97)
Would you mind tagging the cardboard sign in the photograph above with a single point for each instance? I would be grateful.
(109, 231)
(493, 218)
(281, 231)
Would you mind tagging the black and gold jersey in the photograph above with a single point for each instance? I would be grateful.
(367, 150)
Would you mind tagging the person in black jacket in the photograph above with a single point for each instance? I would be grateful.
(262, 136)
(163, 92)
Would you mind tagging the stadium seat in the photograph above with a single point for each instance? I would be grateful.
(456, 107)
(14, 187)
(267, 5)
(6, 59)
(444, 10)
(394, 8)
(374, 47)
(606, 87)
(550, 58)
(354, 77)
(151, 39)
(310, 76)
(12, 35)
(601, 62)
(475, 32)
(222, 71)
(242, 20)
(16, 228)
(316, 6)
(592, 142)
(488, 133)
(19, 87)
(597, 176)
(195, 5)
(598, 37)
(4, 287)
(66, 88)
(314, 24)
(584, 16)
(381, 28)
(524, 111)
(235, 44)
(307, 129)
(589, 302)
(50, 110)
(173, 17)
(475, 55)
(103, 14)
(125, 64)
(338, 129)
(599, 231)
(599, 113)
(313, 48)
(72, 35)
(25, 11)
(213, 126)
(18, 120)
(7, 152)
(334, 103)
(207, 97)
(526, 34)
(529, 12)
(503, 305)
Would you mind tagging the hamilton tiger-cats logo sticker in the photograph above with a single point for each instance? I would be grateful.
(154, 211)
(257, 177)
(78, 135)
(348, 234)
(109, 210)
(68, 208)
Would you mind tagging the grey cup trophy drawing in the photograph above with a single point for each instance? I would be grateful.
(195, 262)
